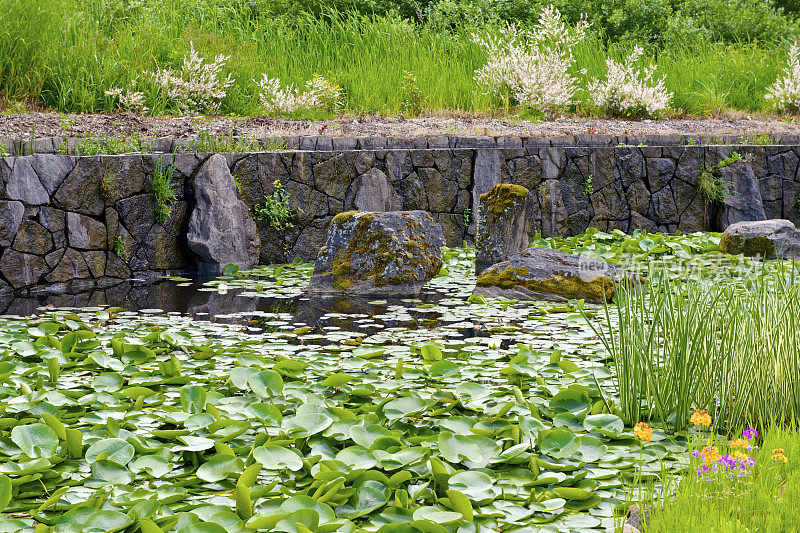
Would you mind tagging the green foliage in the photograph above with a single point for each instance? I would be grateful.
(108, 183)
(104, 145)
(276, 209)
(413, 99)
(732, 348)
(710, 183)
(162, 189)
(66, 55)
(3, 150)
(119, 249)
(588, 188)
(765, 501)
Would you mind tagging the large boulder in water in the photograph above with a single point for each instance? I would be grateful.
(389, 254)
(505, 224)
(545, 274)
(764, 238)
(221, 231)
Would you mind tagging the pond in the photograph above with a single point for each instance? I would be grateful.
(240, 404)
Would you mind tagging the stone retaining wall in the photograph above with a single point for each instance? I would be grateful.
(60, 215)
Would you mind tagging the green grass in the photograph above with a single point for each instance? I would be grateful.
(732, 348)
(65, 54)
(766, 502)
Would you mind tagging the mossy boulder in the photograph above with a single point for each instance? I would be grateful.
(505, 224)
(551, 275)
(769, 239)
(388, 254)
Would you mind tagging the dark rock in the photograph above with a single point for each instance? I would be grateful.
(220, 230)
(86, 233)
(80, 190)
(333, 176)
(23, 184)
(391, 254)
(137, 215)
(11, 214)
(742, 194)
(545, 274)
(20, 269)
(763, 238)
(52, 169)
(505, 224)
(96, 261)
(71, 266)
(373, 192)
(33, 238)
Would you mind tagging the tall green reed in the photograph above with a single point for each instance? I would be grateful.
(729, 346)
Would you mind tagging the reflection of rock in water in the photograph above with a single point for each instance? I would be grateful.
(310, 310)
(214, 303)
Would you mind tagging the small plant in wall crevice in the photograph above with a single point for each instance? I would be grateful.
(163, 189)
(275, 210)
(710, 183)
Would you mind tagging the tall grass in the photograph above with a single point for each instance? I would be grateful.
(64, 54)
(731, 347)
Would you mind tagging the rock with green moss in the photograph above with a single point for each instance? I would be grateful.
(505, 224)
(551, 275)
(388, 254)
(775, 238)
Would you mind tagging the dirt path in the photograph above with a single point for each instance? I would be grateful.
(60, 125)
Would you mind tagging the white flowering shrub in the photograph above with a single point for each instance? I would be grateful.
(785, 92)
(318, 93)
(535, 68)
(128, 100)
(630, 88)
(198, 86)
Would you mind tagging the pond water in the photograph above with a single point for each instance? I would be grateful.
(241, 403)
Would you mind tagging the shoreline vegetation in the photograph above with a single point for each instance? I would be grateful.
(303, 61)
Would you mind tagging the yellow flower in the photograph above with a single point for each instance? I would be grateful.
(710, 453)
(643, 432)
(700, 418)
(780, 457)
(739, 455)
(740, 443)
(778, 451)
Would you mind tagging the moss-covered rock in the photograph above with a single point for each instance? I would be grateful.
(768, 239)
(545, 274)
(391, 253)
(506, 216)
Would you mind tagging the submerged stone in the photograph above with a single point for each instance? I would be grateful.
(775, 238)
(505, 224)
(392, 254)
(552, 275)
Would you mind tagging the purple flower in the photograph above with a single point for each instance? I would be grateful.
(697, 454)
(750, 433)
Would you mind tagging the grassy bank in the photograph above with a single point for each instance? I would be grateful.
(65, 55)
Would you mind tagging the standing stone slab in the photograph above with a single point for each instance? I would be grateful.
(389, 254)
(505, 224)
(764, 238)
(221, 231)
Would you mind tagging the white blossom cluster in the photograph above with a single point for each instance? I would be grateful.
(198, 86)
(129, 100)
(630, 88)
(533, 67)
(785, 92)
(318, 93)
